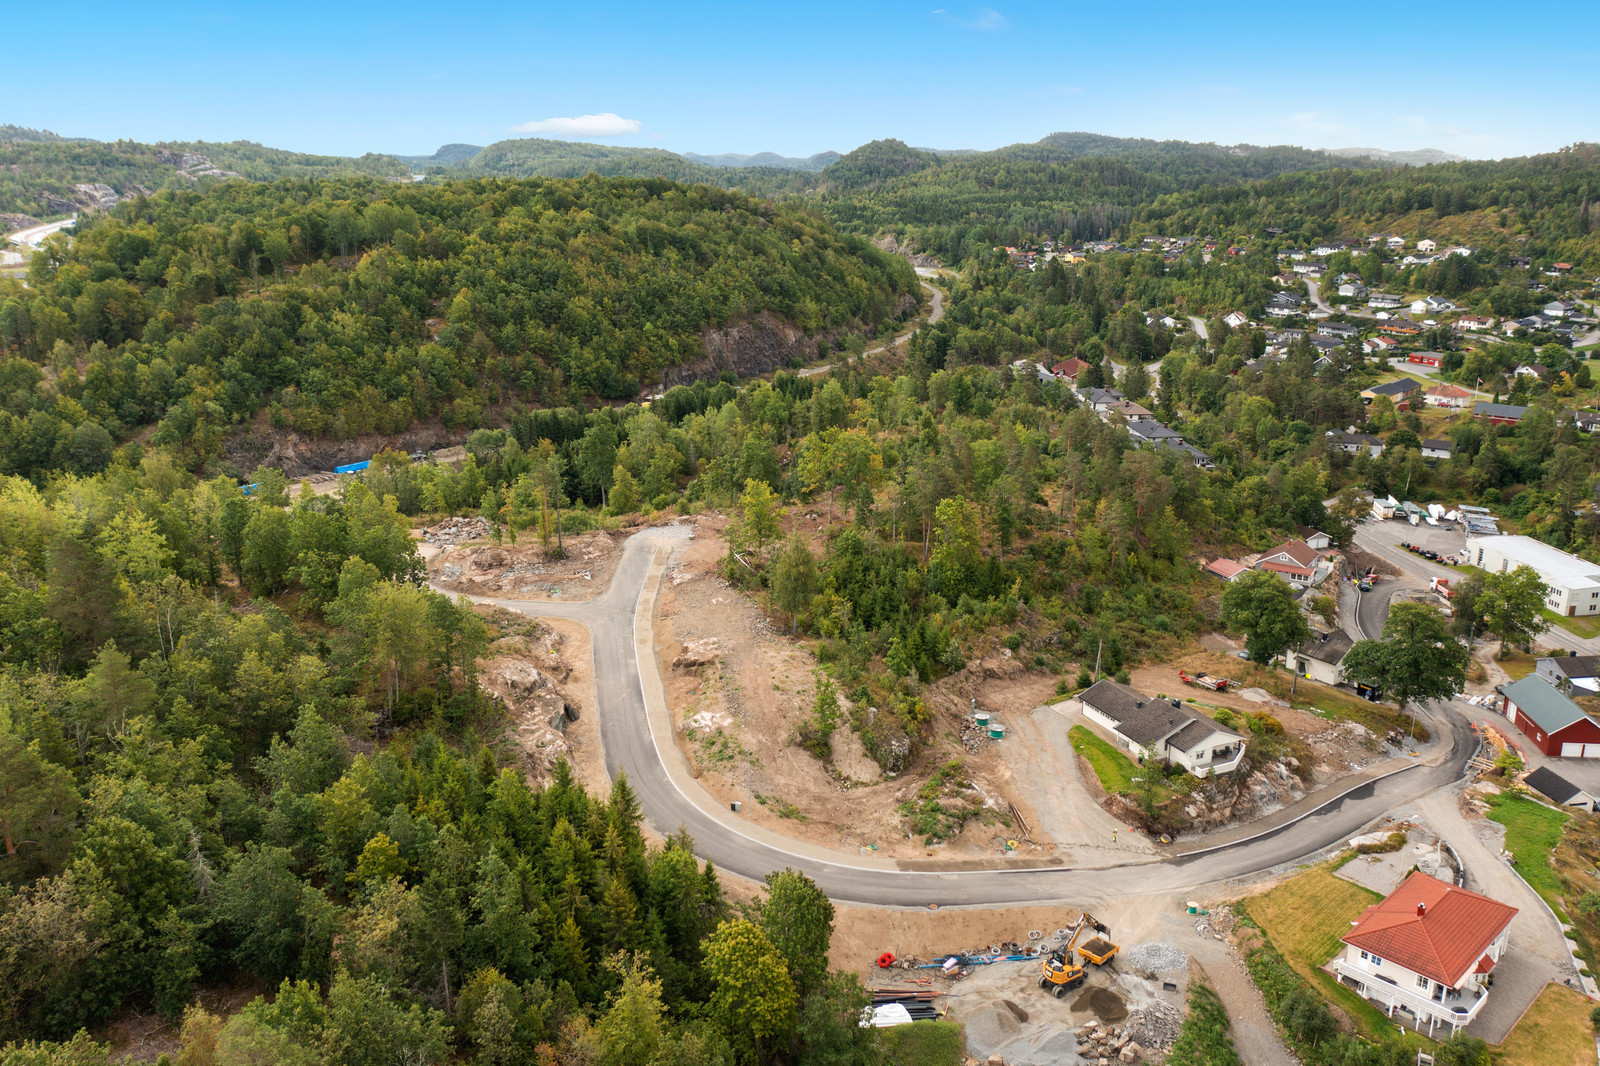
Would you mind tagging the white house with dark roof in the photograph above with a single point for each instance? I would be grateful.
(1319, 657)
(1165, 730)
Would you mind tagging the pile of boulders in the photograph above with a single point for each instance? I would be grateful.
(974, 736)
(1106, 1044)
(455, 531)
(1155, 1026)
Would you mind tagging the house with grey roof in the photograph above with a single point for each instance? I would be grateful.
(1162, 729)
(1569, 673)
(1319, 657)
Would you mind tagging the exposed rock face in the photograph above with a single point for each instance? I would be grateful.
(298, 456)
(758, 346)
(96, 196)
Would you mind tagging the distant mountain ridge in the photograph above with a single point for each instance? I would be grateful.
(1415, 157)
(811, 163)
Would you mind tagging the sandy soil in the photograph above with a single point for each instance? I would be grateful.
(745, 709)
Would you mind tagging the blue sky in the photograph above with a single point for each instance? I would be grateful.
(1477, 79)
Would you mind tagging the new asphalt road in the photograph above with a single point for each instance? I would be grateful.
(622, 620)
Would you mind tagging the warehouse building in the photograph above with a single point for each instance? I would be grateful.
(1572, 585)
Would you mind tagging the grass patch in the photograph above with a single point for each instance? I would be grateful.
(1532, 833)
(1306, 915)
(1555, 1031)
(1114, 769)
(1584, 626)
(1517, 665)
(923, 1044)
(1204, 1039)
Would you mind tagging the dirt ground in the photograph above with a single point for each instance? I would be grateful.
(738, 718)
(524, 572)
(1341, 748)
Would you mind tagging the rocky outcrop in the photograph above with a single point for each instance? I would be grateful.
(749, 349)
(299, 456)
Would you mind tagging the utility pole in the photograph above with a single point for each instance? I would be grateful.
(1097, 658)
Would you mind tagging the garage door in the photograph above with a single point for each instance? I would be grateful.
(1572, 751)
(1591, 751)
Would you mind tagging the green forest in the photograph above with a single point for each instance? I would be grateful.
(356, 307)
(244, 747)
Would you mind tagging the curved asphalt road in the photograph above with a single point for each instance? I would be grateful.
(735, 845)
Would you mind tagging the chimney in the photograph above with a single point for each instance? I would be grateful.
(1422, 908)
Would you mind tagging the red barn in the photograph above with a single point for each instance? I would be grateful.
(1557, 726)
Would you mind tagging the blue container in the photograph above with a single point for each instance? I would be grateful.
(250, 489)
(353, 468)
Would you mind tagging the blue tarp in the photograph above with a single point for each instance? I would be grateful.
(352, 468)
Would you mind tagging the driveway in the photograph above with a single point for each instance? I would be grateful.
(1536, 953)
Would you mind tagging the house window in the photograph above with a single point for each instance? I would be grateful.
(1376, 961)
(1363, 956)
(1422, 983)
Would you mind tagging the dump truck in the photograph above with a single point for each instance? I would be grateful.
(1062, 970)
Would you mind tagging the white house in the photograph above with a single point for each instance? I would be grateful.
(1424, 955)
(1235, 319)
(1319, 657)
(1572, 585)
(1426, 245)
(1438, 448)
(1395, 240)
(1384, 299)
(1164, 730)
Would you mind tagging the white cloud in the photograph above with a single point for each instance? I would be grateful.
(606, 124)
(986, 18)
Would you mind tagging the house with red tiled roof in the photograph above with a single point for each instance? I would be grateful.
(1424, 955)
(1293, 559)
(1069, 369)
(1448, 396)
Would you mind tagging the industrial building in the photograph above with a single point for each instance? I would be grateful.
(1572, 585)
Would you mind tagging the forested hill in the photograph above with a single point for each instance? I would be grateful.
(1541, 205)
(355, 305)
(40, 173)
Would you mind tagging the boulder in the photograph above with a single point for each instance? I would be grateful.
(1127, 1055)
(698, 653)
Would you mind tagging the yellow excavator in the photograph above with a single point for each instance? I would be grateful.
(1062, 972)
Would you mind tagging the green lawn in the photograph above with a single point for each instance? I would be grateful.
(1304, 918)
(1583, 626)
(1114, 769)
(1532, 832)
(923, 1044)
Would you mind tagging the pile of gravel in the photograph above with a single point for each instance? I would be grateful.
(1154, 957)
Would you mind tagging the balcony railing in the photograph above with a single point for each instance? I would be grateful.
(1457, 1008)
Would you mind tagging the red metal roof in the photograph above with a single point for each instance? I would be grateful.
(1455, 928)
(1226, 568)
